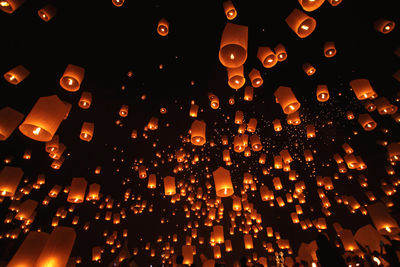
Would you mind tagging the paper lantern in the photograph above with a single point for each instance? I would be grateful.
(56, 154)
(187, 253)
(193, 110)
(277, 162)
(300, 23)
(347, 238)
(369, 106)
(308, 69)
(280, 52)
(123, 112)
(384, 106)
(350, 115)
(233, 47)
(248, 241)
(86, 100)
(72, 78)
(152, 182)
(334, 2)
(58, 247)
(9, 120)
(384, 26)
(198, 133)
(47, 12)
(77, 190)
(53, 145)
(248, 93)
(222, 182)
(44, 119)
(169, 186)
(255, 143)
(310, 5)
(153, 123)
(308, 155)
(238, 144)
(286, 156)
(393, 151)
(9, 180)
(322, 93)
(94, 191)
(217, 252)
(26, 209)
(286, 98)
(229, 10)
(255, 78)
(239, 117)
(384, 223)
(362, 89)
(310, 130)
(329, 49)
(9, 6)
(293, 118)
(366, 121)
(163, 27)
(214, 101)
(218, 231)
(16, 74)
(118, 3)
(267, 56)
(87, 131)
(142, 172)
(236, 77)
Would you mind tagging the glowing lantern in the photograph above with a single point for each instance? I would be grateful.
(393, 151)
(308, 69)
(277, 183)
(187, 253)
(334, 2)
(142, 172)
(255, 143)
(285, 156)
(44, 119)
(9, 120)
(233, 47)
(56, 154)
(310, 129)
(9, 180)
(248, 241)
(369, 106)
(198, 133)
(238, 144)
(267, 56)
(239, 117)
(77, 190)
(223, 183)
(169, 185)
(384, 26)
(193, 110)
(58, 247)
(93, 194)
(350, 115)
(277, 162)
(277, 125)
(329, 49)
(293, 118)
(87, 131)
(53, 145)
(47, 12)
(16, 74)
(118, 3)
(362, 89)
(214, 101)
(218, 231)
(152, 182)
(229, 10)
(85, 100)
(153, 123)
(280, 52)
(163, 27)
(310, 5)
(236, 77)
(72, 78)
(252, 125)
(26, 209)
(123, 112)
(366, 121)
(383, 221)
(384, 107)
(288, 101)
(322, 93)
(347, 238)
(9, 6)
(248, 93)
(255, 78)
(300, 23)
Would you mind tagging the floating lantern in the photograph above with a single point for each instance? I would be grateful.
(169, 185)
(280, 52)
(77, 190)
(384, 106)
(293, 118)
(223, 183)
(229, 10)
(153, 123)
(26, 209)
(236, 77)
(329, 49)
(267, 56)
(310, 5)
(308, 69)
(334, 2)
(72, 78)
(86, 100)
(288, 101)
(9, 180)
(9, 120)
(233, 47)
(362, 89)
(163, 27)
(94, 191)
(16, 74)
(198, 133)
(239, 117)
(255, 78)
(123, 112)
(384, 26)
(255, 143)
(214, 101)
(252, 125)
(383, 221)
(118, 3)
(300, 23)
(47, 12)
(152, 182)
(87, 131)
(53, 145)
(248, 93)
(193, 110)
(248, 241)
(310, 130)
(366, 121)
(322, 93)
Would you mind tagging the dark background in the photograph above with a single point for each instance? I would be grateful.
(109, 41)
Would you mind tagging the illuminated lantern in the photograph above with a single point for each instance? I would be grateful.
(236, 77)
(369, 106)
(85, 100)
(267, 56)
(232, 100)
(87, 131)
(350, 115)
(94, 191)
(9, 6)
(300, 23)
(362, 89)
(229, 10)
(238, 144)
(9, 120)
(226, 156)
(277, 162)
(262, 158)
(239, 117)
(193, 110)
(29, 250)
(288, 101)
(58, 247)
(44, 119)
(310, 5)
(329, 49)
(169, 186)
(280, 52)
(255, 143)
(56, 154)
(228, 245)
(277, 125)
(16, 74)
(118, 3)
(163, 27)
(233, 47)
(152, 182)
(222, 182)
(347, 148)
(255, 78)
(308, 155)
(26, 209)
(96, 253)
(277, 183)
(384, 107)
(153, 123)
(347, 238)
(293, 118)
(383, 221)
(322, 93)
(142, 172)
(248, 93)
(334, 2)
(248, 241)
(218, 234)
(310, 129)
(214, 101)
(53, 145)
(198, 133)
(187, 253)
(295, 217)
(252, 125)
(47, 12)
(308, 68)
(368, 236)
(384, 26)
(123, 112)
(285, 156)
(134, 134)
(217, 252)
(72, 78)
(366, 121)
(9, 180)
(77, 190)
(393, 151)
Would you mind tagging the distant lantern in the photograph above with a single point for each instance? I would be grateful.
(87, 131)
(231, 100)
(350, 115)
(68, 107)
(77, 190)
(169, 186)
(308, 69)
(9, 180)
(293, 118)
(280, 52)
(56, 154)
(86, 100)
(252, 125)
(193, 110)
(277, 125)
(229, 10)
(223, 183)
(123, 112)
(384, 106)
(248, 93)
(255, 143)
(58, 247)
(369, 106)
(267, 56)
(118, 3)
(310, 5)
(142, 172)
(16, 74)
(248, 241)
(255, 78)
(9, 6)
(72, 78)
(233, 47)
(329, 49)
(393, 151)
(44, 119)
(322, 93)
(56, 164)
(163, 27)
(47, 12)
(214, 100)
(239, 117)
(334, 2)
(362, 89)
(153, 123)
(286, 98)
(310, 130)
(94, 191)
(236, 77)
(53, 144)
(302, 24)
(152, 181)
(384, 26)
(9, 120)
(198, 133)
(366, 121)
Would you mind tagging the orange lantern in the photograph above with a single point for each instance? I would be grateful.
(236, 77)
(267, 56)
(198, 133)
(310, 5)
(255, 143)
(118, 3)
(277, 125)
(53, 145)
(9, 6)
(9, 180)
(85, 100)
(300, 23)
(94, 191)
(293, 118)
(223, 183)
(169, 185)
(384, 26)
(310, 129)
(153, 123)
(16, 74)
(238, 144)
(384, 106)
(329, 49)
(187, 253)
(9, 120)
(87, 131)
(248, 93)
(280, 52)
(286, 98)
(26, 209)
(163, 27)
(142, 172)
(248, 241)
(322, 93)
(72, 78)
(308, 69)
(383, 221)
(334, 2)
(239, 117)
(229, 10)
(366, 121)
(233, 47)
(193, 110)
(77, 190)
(252, 125)
(123, 112)
(47, 12)
(214, 101)
(255, 78)
(362, 89)
(152, 182)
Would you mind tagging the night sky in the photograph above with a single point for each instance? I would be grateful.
(172, 71)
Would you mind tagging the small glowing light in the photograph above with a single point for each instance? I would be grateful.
(225, 191)
(37, 131)
(230, 13)
(258, 82)
(232, 56)
(4, 3)
(369, 125)
(388, 229)
(3, 193)
(269, 60)
(12, 77)
(323, 96)
(85, 135)
(387, 27)
(70, 81)
(291, 107)
(236, 81)
(280, 56)
(304, 27)
(377, 260)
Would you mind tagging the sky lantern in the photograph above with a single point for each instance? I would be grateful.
(384, 26)
(9, 180)
(329, 49)
(123, 112)
(26, 209)
(366, 121)
(239, 117)
(87, 131)
(310, 130)
(44, 119)
(267, 56)
(383, 221)
(72, 78)
(248, 241)
(393, 151)
(77, 190)
(16, 74)
(153, 123)
(384, 106)
(255, 143)
(56, 154)
(223, 183)
(169, 186)
(277, 125)
(310, 5)
(94, 191)
(86, 100)
(236, 77)
(198, 133)
(322, 93)
(9, 120)
(309, 69)
(280, 52)
(362, 89)
(238, 144)
(214, 101)
(252, 125)
(302, 24)
(163, 27)
(286, 98)
(293, 118)
(118, 3)
(255, 78)
(152, 182)
(47, 12)
(187, 253)
(193, 110)
(9, 6)
(248, 93)
(229, 10)
(53, 145)
(233, 47)
(334, 2)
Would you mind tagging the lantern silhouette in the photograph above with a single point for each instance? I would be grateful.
(44, 119)
(56, 154)
(308, 69)
(322, 93)
(16, 74)
(300, 23)
(87, 131)
(226, 156)
(248, 93)
(47, 12)
(255, 78)
(310, 5)
(9, 120)
(9, 6)
(9, 180)
(329, 49)
(229, 10)
(198, 133)
(277, 125)
(77, 190)
(362, 89)
(366, 121)
(277, 162)
(218, 231)
(236, 77)
(288, 101)
(369, 106)
(163, 27)
(214, 101)
(267, 56)
(187, 253)
(193, 110)
(384, 26)
(280, 52)
(72, 78)
(123, 112)
(169, 186)
(233, 47)
(223, 183)
(118, 3)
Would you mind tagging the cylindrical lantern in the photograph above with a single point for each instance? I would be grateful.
(310, 5)
(300, 23)
(47, 12)
(277, 125)
(9, 180)
(214, 101)
(293, 118)
(218, 234)
(322, 93)
(16, 74)
(152, 182)
(334, 2)
(267, 56)
(53, 145)
(384, 106)
(248, 93)
(362, 89)
(26, 209)
(77, 190)
(87, 131)
(153, 123)
(9, 120)
(223, 183)
(142, 172)
(169, 186)
(286, 98)
(255, 78)
(366, 121)
(255, 143)
(229, 10)
(235, 77)
(72, 78)
(252, 125)
(44, 119)
(94, 191)
(248, 241)
(280, 52)
(193, 110)
(383, 221)
(56, 154)
(163, 27)
(308, 69)
(329, 49)
(187, 253)
(198, 133)
(86, 100)
(123, 112)
(233, 47)
(384, 26)
(239, 117)
(118, 3)
(9, 6)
